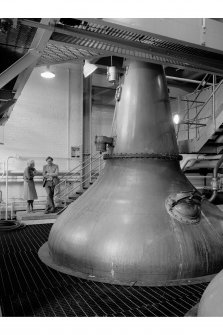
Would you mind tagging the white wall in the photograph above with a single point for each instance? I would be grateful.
(46, 120)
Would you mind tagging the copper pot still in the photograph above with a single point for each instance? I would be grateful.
(142, 222)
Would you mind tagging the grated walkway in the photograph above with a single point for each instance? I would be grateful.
(30, 288)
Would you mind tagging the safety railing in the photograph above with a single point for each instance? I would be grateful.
(67, 175)
(79, 176)
(197, 114)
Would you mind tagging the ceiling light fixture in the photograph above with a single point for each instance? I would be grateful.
(88, 68)
(47, 73)
(112, 74)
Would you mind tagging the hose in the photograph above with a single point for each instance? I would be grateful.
(6, 225)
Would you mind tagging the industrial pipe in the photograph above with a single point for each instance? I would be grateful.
(19, 66)
(214, 180)
(6, 186)
(187, 80)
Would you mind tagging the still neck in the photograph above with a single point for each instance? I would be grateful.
(143, 117)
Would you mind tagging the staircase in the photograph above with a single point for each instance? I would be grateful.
(202, 125)
(78, 180)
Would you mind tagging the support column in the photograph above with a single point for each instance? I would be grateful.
(86, 131)
(213, 103)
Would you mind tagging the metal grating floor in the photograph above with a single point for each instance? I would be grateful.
(30, 288)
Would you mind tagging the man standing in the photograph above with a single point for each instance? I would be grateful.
(50, 180)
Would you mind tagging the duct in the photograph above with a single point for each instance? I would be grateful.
(20, 65)
(142, 222)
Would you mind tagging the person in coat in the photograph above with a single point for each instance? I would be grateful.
(29, 186)
(50, 180)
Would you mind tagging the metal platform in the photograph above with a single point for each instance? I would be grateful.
(29, 288)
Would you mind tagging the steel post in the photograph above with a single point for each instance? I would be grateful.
(213, 102)
(86, 133)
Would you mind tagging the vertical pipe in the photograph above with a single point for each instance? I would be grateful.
(203, 32)
(205, 180)
(86, 134)
(90, 168)
(196, 123)
(215, 180)
(11, 211)
(213, 103)
(188, 126)
(6, 186)
(90, 136)
(179, 113)
(65, 200)
(99, 164)
(6, 190)
(68, 119)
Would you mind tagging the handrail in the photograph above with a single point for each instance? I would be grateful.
(77, 186)
(187, 110)
(199, 92)
(82, 181)
(65, 195)
(70, 173)
(206, 102)
(86, 178)
(194, 118)
(95, 159)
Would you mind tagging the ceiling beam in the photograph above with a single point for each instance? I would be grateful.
(16, 68)
(203, 33)
(136, 50)
(38, 44)
(6, 105)
(6, 95)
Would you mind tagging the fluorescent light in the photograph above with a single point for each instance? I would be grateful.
(47, 74)
(88, 68)
(176, 118)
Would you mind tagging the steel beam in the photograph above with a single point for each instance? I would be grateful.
(6, 95)
(38, 44)
(20, 65)
(6, 105)
(189, 31)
